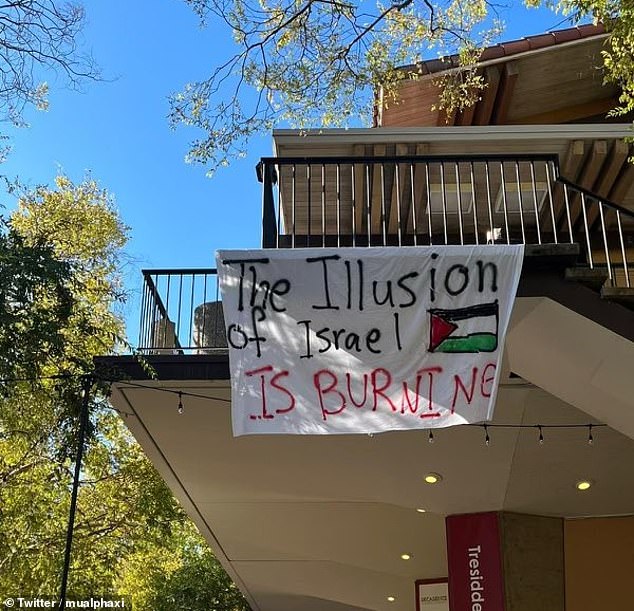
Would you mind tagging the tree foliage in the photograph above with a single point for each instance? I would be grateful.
(60, 261)
(618, 54)
(185, 576)
(319, 62)
(37, 36)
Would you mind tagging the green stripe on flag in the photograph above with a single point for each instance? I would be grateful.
(476, 342)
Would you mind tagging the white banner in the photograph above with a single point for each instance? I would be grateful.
(352, 340)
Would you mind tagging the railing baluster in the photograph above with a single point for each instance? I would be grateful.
(489, 202)
(278, 207)
(520, 201)
(586, 230)
(535, 203)
(567, 206)
(623, 251)
(474, 206)
(444, 201)
(154, 336)
(428, 207)
(217, 332)
(504, 205)
(383, 207)
(167, 309)
(293, 202)
(459, 201)
(551, 201)
(605, 241)
(398, 204)
(142, 322)
(412, 175)
(204, 308)
(338, 185)
(353, 177)
(323, 204)
(191, 310)
(180, 300)
(309, 198)
(368, 202)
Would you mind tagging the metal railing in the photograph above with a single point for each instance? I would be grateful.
(431, 200)
(181, 312)
(396, 201)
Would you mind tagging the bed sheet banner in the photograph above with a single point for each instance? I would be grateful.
(350, 340)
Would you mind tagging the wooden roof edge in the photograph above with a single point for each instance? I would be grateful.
(503, 51)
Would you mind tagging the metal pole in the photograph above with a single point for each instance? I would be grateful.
(81, 438)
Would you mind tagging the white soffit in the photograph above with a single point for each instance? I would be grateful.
(319, 523)
(384, 135)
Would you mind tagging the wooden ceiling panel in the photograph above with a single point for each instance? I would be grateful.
(484, 108)
(510, 75)
(557, 84)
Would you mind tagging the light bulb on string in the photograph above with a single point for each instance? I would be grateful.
(541, 435)
(590, 437)
(181, 409)
(487, 439)
(431, 437)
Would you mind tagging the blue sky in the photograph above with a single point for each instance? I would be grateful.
(117, 130)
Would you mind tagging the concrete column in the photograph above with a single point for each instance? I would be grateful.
(505, 562)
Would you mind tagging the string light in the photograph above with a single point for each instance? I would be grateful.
(123, 383)
(182, 393)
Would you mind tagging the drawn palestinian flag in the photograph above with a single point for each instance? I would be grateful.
(470, 329)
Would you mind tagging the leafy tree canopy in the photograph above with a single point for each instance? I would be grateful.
(60, 261)
(318, 62)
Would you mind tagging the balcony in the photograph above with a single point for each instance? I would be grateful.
(404, 201)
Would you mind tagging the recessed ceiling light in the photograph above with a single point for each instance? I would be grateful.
(584, 484)
(391, 599)
(433, 478)
(405, 556)
(421, 510)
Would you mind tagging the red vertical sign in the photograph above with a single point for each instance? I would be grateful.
(475, 562)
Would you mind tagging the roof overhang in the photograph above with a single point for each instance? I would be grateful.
(319, 522)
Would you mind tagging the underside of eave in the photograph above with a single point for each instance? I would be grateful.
(520, 88)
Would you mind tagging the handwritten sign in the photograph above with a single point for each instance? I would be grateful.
(352, 340)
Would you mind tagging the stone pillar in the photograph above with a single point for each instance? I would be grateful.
(505, 562)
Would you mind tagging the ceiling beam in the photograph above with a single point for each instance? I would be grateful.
(484, 108)
(570, 170)
(587, 178)
(509, 78)
(604, 183)
(623, 184)
(569, 114)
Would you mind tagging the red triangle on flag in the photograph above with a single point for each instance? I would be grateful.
(440, 330)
